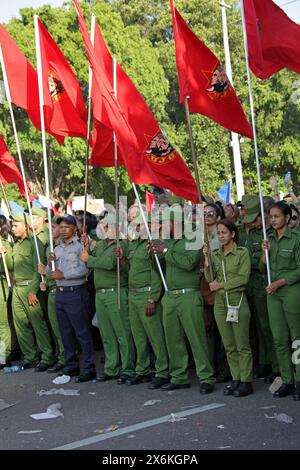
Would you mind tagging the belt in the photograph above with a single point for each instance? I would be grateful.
(70, 288)
(22, 283)
(103, 291)
(180, 291)
(141, 289)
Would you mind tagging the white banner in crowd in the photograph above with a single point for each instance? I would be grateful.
(94, 206)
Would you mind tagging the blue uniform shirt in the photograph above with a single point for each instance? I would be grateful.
(67, 260)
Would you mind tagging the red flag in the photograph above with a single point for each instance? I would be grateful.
(149, 201)
(203, 79)
(156, 161)
(9, 172)
(64, 107)
(273, 38)
(22, 80)
(106, 108)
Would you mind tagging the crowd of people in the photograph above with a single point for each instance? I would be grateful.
(229, 308)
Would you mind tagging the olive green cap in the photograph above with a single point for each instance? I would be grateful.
(39, 212)
(21, 217)
(252, 208)
(109, 219)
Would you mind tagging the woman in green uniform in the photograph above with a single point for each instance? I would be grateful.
(5, 331)
(284, 295)
(231, 269)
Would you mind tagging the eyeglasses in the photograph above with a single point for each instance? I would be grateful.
(294, 217)
(209, 214)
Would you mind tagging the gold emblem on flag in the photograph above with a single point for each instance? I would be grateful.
(160, 150)
(218, 83)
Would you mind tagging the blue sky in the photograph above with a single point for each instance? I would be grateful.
(10, 8)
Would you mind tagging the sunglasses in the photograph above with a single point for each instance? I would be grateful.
(294, 217)
(209, 214)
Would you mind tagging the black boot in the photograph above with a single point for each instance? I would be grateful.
(243, 390)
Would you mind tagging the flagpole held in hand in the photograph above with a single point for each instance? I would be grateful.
(255, 140)
(8, 97)
(149, 236)
(116, 188)
(197, 178)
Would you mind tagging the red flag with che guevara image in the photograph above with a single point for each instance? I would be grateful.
(9, 172)
(156, 162)
(273, 38)
(203, 80)
(64, 108)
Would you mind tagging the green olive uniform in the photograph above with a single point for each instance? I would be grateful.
(183, 313)
(5, 331)
(256, 290)
(283, 305)
(235, 336)
(144, 283)
(58, 345)
(113, 323)
(43, 237)
(29, 319)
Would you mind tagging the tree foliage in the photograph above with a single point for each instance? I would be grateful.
(140, 33)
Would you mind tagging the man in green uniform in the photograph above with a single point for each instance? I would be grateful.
(50, 284)
(5, 332)
(145, 311)
(268, 366)
(183, 306)
(30, 324)
(39, 222)
(113, 322)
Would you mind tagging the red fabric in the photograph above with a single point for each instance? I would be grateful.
(156, 162)
(273, 38)
(202, 78)
(106, 109)
(22, 80)
(64, 107)
(149, 201)
(9, 172)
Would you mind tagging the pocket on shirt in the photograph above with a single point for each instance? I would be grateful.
(73, 259)
(286, 260)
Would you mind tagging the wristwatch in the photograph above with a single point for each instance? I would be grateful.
(150, 301)
(165, 251)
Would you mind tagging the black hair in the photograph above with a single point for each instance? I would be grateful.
(4, 227)
(284, 208)
(221, 209)
(295, 208)
(231, 227)
(268, 203)
(215, 207)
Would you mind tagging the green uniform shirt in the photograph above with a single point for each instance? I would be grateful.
(285, 256)
(142, 272)
(25, 262)
(43, 236)
(182, 265)
(51, 283)
(104, 262)
(237, 268)
(254, 245)
(242, 234)
(8, 256)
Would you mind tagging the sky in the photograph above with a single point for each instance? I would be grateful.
(10, 8)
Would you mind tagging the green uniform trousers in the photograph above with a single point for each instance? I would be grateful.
(115, 332)
(183, 316)
(58, 345)
(5, 331)
(30, 325)
(148, 329)
(266, 348)
(235, 336)
(284, 316)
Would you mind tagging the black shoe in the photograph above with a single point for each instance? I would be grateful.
(122, 379)
(138, 379)
(90, 375)
(70, 372)
(41, 367)
(224, 376)
(231, 388)
(261, 371)
(105, 378)
(6, 364)
(170, 387)
(296, 395)
(205, 388)
(269, 379)
(158, 382)
(243, 390)
(284, 391)
(29, 365)
(55, 368)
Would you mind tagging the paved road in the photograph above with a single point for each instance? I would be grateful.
(107, 416)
